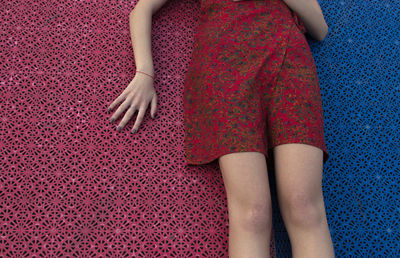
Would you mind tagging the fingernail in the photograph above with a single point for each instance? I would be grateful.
(112, 120)
(133, 131)
(118, 128)
(108, 109)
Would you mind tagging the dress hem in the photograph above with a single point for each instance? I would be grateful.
(215, 157)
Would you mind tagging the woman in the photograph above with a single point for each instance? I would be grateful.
(252, 102)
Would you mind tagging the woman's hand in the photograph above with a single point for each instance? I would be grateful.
(311, 15)
(137, 96)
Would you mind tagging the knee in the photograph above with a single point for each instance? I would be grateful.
(257, 218)
(304, 210)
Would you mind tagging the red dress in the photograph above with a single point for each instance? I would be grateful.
(252, 83)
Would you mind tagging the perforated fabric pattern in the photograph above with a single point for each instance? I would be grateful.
(71, 185)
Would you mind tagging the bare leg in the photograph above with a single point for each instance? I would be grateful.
(249, 204)
(298, 170)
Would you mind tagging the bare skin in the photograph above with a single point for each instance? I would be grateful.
(298, 166)
(136, 96)
(298, 169)
(249, 204)
(140, 91)
(311, 15)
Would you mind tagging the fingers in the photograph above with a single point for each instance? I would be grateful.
(120, 109)
(139, 119)
(116, 101)
(131, 106)
(127, 117)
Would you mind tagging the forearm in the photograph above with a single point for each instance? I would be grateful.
(140, 22)
(311, 15)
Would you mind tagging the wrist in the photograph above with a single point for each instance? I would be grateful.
(144, 73)
(146, 69)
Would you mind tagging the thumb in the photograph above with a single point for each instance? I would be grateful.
(153, 108)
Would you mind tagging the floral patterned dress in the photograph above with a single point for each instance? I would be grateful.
(252, 83)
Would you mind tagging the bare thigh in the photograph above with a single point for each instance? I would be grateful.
(299, 181)
(246, 183)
